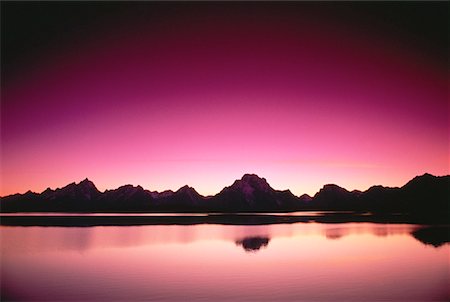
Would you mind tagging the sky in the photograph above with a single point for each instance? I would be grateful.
(164, 94)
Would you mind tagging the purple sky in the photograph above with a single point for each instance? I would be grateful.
(164, 95)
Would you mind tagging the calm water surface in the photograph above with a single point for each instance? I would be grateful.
(280, 262)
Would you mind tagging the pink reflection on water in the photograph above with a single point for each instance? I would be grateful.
(81, 239)
(204, 263)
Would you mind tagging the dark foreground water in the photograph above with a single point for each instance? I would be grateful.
(210, 262)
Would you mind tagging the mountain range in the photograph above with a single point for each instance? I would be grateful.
(424, 196)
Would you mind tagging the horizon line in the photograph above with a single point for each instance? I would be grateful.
(211, 195)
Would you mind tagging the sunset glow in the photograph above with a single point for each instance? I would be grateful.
(201, 94)
(384, 260)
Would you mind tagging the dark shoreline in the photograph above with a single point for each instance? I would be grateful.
(223, 219)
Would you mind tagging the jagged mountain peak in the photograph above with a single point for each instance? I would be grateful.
(185, 188)
(420, 179)
(250, 193)
(332, 188)
(253, 178)
(130, 188)
(30, 193)
(332, 191)
(48, 190)
(305, 197)
(189, 191)
(249, 188)
(85, 189)
(427, 175)
(163, 194)
(87, 183)
(251, 182)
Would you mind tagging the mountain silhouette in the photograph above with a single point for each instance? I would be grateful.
(424, 196)
(252, 193)
(334, 197)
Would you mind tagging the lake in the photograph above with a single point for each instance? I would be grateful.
(211, 262)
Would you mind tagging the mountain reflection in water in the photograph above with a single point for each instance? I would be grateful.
(249, 237)
(256, 262)
(434, 235)
(253, 244)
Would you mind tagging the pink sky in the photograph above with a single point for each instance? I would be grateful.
(202, 98)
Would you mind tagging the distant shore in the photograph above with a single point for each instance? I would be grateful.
(85, 220)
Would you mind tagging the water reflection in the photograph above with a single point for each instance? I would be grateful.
(379, 230)
(335, 233)
(253, 244)
(435, 236)
(304, 262)
(250, 238)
